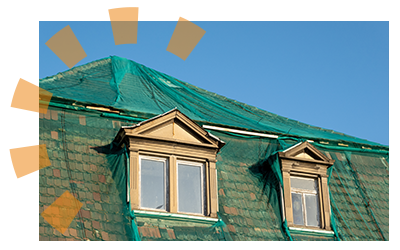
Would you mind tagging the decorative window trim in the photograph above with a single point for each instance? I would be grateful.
(176, 138)
(304, 160)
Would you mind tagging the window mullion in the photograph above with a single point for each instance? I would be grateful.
(173, 189)
(166, 185)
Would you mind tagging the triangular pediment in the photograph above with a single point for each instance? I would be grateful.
(173, 126)
(305, 151)
(305, 155)
(174, 129)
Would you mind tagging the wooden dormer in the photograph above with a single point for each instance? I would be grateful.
(174, 137)
(303, 160)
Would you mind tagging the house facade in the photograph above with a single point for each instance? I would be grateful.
(154, 158)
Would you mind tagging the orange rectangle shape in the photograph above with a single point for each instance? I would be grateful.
(25, 96)
(66, 46)
(44, 100)
(124, 14)
(125, 32)
(185, 38)
(27, 160)
(62, 211)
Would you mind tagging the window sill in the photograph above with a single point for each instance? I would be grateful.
(311, 231)
(173, 216)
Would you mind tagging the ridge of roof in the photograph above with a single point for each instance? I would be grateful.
(76, 69)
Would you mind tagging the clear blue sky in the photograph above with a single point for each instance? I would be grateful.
(333, 75)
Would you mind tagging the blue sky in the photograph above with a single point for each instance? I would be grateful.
(333, 75)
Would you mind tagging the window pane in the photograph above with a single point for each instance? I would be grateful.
(308, 184)
(189, 189)
(297, 209)
(312, 209)
(152, 187)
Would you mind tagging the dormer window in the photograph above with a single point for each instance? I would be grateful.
(306, 195)
(172, 165)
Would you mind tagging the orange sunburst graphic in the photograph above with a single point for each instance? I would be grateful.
(30, 159)
(124, 23)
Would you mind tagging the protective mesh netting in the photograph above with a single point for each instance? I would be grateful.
(124, 84)
(248, 173)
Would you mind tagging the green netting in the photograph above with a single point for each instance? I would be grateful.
(271, 161)
(123, 84)
(136, 235)
(249, 173)
(358, 182)
(347, 206)
(118, 160)
(252, 162)
(249, 184)
(221, 224)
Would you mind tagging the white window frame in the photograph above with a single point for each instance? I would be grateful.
(166, 182)
(303, 193)
(203, 198)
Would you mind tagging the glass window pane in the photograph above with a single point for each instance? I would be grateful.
(152, 188)
(312, 209)
(297, 209)
(189, 189)
(308, 184)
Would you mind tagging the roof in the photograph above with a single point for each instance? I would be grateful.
(78, 145)
(123, 84)
(148, 120)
